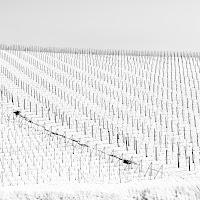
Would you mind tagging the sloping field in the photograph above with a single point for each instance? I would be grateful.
(89, 116)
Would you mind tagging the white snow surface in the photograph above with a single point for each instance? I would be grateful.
(171, 122)
(145, 189)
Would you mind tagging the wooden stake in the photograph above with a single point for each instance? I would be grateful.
(36, 109)
(118, 139)
(24, 104)
(156, 154)
(30, 106)
(109, 137)
(146, 149)
(189, 163)
(84, 128)
(126, 144)
(92, 131)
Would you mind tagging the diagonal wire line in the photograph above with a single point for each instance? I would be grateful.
(18, 114)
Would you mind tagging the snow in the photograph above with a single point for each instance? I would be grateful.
(152, 189)
(105, 111)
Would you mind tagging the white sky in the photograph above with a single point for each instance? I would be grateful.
(113, 24)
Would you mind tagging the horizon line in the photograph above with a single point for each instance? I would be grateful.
(121, 52)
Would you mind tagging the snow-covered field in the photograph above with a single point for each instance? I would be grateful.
(95, 118)
(146, 189)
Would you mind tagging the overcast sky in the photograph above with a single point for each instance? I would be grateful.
(107, 24)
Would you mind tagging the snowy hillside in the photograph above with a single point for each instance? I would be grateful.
(97, 117)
